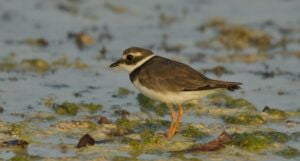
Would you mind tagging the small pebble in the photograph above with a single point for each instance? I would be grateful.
(85, 140)
(103, 120)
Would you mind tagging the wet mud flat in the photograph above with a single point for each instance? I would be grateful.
(60, 101)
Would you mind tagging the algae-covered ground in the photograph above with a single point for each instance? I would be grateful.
(56, 87)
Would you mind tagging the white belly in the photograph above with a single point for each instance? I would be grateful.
(171, 97)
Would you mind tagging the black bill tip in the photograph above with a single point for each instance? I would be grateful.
(115, 64)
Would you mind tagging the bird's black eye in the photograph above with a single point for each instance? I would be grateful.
(129, 57)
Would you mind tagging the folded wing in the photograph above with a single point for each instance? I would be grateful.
(166, 75)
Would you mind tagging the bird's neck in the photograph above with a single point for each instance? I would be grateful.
(131, 68)
(133, 74)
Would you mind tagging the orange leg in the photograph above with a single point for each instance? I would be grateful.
(179, 117)
(173, 115)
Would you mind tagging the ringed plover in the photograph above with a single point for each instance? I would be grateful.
(168, 81)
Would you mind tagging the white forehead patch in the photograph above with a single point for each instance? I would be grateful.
(134, 54)
(137, 54)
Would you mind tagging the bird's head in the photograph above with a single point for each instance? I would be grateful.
(132, 58)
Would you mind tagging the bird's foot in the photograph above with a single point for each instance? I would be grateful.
(170, 134)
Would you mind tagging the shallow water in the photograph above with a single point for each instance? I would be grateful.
(135, 23)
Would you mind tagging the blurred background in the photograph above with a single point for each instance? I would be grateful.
(58, 51)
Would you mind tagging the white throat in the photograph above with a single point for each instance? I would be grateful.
(131, 68)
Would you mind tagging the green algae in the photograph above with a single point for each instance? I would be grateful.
(8, 63)
(244, 119)
(19, 158)
(182, 156)
(44, 117)
(91, 107)
(154, 125)
(276, 113)
(38, 65)
(221, 96)
(276, 136)
(49, 118)
(126, 123)
(148, 105)
(140, 126)
(149, 137)
(251, 142)
(123, 91)
(227, 101)
(69, 108)
(289, 153)
(258, 140)
(123, 158)
(48, 102)
(136, 146)
(16, 129)
(64, 61)
(66, 108)
(39, 42)
(237, 37)
(192, 159)
(240, 102)
(148, 140)
(7, 66)
(124, 126)
(91, 125)
(193, 132)
(19, 129)
(133, 143)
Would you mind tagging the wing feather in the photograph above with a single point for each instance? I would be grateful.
(167, 75)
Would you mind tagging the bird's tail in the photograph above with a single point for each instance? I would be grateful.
(231, 86)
